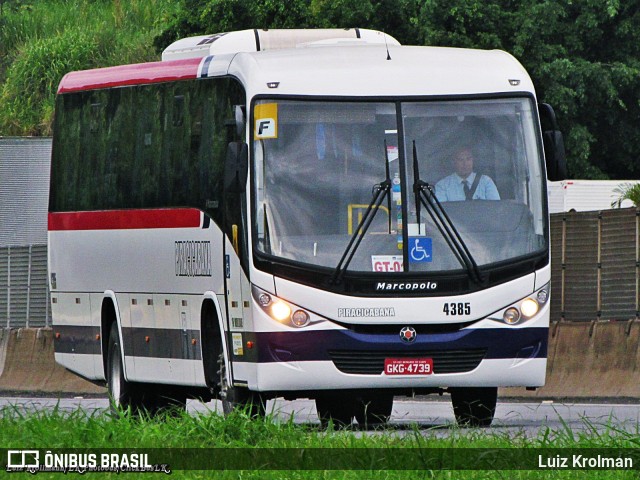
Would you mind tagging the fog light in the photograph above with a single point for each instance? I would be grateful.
(264, 299)
(529, 307)
(280, 311)
(511, 316)
(300, 318)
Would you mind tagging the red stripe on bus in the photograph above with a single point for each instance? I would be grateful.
(123, 75)
(125, 219)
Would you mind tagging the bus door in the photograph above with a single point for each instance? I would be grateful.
(237, 292)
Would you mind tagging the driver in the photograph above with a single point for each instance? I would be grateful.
(465, 183)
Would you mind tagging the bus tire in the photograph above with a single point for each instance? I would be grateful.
(474, 407)
(338, 408)
(236, 398)
(211, 346)
(374, 409)
(137, 397)
(122, 394)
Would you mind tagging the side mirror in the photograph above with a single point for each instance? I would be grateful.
(236, 167)
(553, 143)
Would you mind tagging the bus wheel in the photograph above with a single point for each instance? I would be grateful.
(337, 407)
(236, 398)
(474, 407)
(373, 410)
(122, 393)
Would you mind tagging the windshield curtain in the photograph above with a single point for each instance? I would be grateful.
(317, 165)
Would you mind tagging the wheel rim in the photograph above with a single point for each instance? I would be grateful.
(222, 371)
(115, 386)
(224, 385)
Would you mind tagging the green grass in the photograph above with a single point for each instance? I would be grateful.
(56, 429)
(43, 40)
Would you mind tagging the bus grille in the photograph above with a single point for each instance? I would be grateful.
(364, 362)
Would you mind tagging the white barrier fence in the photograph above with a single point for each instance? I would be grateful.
(24, 292)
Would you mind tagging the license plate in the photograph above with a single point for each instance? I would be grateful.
(408, 366)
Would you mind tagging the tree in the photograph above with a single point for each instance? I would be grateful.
(396, 17)
(199, 17)
(582, 56)
(627, 191)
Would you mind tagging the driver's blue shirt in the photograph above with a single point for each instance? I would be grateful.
(451, 188)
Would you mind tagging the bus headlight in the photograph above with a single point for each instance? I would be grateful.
(511, 316)
(525, 309)
(529, 307)
(300, 318)
(543, 295)
(280, 311)
(264, 299)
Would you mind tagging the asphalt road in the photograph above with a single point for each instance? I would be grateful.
(431, 414)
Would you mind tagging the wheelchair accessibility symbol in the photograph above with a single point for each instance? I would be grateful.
(420, 249)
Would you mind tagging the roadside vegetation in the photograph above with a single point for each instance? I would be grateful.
(627, 191)
(41, 41)
(56, 429)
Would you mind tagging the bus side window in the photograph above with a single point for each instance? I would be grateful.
(178, 110)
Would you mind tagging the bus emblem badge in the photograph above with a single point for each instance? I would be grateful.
(408, 334)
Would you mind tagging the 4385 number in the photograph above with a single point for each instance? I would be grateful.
(457, 308)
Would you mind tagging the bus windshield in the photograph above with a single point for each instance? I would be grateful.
(317, 166)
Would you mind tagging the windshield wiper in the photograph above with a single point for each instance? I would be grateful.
(425, 195)
(380, 191)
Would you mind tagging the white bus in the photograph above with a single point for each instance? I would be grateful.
(258, 215)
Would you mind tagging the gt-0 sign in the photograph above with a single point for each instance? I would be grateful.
(387, 263)
(408, 366)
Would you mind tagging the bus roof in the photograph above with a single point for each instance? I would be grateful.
(332, 70)
(257, 40)
(380, 70)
